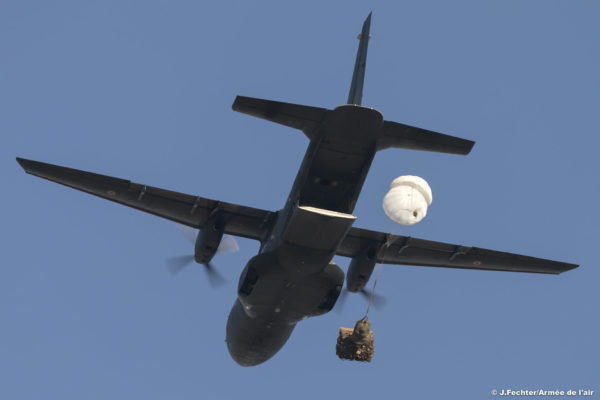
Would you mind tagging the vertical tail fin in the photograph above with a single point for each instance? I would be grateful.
(358, 77)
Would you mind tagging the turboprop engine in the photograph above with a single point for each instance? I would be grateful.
(208, 241)
(209, 238)
(360, 270)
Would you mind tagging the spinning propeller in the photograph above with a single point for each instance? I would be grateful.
(378, 301)
(208, 242)
(359, 271)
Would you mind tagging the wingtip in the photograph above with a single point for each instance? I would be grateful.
(235, 105)
(34, 167)
(565, 267)
(470, 147)
(23, 163)
(572, 266)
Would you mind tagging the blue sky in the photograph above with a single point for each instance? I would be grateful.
(142, 90)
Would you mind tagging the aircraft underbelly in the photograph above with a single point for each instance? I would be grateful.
(270, 293)
(250, 341)
(271, 300)
(338, 167)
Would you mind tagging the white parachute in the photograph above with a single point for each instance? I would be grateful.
(406, 202)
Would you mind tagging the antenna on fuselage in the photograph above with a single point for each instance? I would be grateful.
(358, 77)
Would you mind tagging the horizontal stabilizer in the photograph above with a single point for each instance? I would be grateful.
(408, 137)
(307, 119)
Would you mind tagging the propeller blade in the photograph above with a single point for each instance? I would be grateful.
(214, 278)
(341, 301)
(379, 301)
(176, 264)
(227, 245)
(189, 232)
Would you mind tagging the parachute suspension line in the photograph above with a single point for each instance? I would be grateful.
(366, 317)
(388, 242)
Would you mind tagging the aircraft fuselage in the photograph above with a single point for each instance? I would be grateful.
(293, 277)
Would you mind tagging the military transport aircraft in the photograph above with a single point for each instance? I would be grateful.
(293, 276)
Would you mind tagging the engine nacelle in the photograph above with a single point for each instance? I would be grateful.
(360, 269)
(209, 238)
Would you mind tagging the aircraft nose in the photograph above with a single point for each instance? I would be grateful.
(247, 357)
(251, 341)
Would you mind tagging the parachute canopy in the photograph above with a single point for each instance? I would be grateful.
(406, 202)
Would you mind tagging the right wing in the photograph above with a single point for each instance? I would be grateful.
(405, 250)
(183, 208)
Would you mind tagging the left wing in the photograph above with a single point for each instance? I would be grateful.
(405, 250)
(183, 208)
